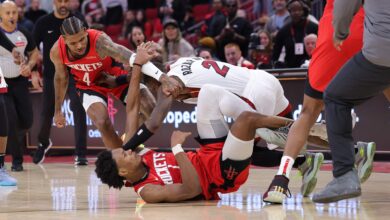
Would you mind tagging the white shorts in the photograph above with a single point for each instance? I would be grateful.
(89, 99)
(266, 93)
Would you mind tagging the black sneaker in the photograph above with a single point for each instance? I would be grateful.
(80, 161)
(278, 190)
(39, 155)
(17, 167)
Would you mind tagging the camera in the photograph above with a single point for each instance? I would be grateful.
(254, 43)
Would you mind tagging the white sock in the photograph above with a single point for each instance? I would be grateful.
(285, 166)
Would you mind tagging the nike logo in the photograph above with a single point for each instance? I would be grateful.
(49, 32)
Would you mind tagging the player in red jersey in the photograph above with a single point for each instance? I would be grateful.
(86, 54)
(221, 165)
(325, 63)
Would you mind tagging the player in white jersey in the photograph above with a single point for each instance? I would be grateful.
(262, 89)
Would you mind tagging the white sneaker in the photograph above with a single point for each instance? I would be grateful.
(6, 179)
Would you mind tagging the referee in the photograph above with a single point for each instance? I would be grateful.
(47, 31)
(17, 100)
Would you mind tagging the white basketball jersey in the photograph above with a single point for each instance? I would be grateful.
(196, 72)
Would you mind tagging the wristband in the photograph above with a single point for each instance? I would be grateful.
(137, 64)
(177, 149)
(148, 68)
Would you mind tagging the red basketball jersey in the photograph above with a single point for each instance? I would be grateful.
(87, 69)
(326, 60)
(163, 170)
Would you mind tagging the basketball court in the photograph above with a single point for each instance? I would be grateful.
(59, 190)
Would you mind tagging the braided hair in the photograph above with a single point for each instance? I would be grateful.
(71, 26)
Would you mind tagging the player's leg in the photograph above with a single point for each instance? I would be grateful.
(5, 178)
(214, 103)
(96, 108)
(296, 140)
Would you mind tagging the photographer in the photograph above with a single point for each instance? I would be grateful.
(260, 49)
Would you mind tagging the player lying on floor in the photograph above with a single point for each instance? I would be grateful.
(221, 165)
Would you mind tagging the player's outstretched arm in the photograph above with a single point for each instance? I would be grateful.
(61, 78)
(190, 186)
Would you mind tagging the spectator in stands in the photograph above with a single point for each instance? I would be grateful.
(128, 23)
(234, 56)
(93, 11)
(17, 101)
(215, 22)
(114, 10)
(291, 36)
(22, 21)
(188, 21)
(172, 9)
(205, 53)
(172, 44)
(34, 12)
(136, 37)
(237, 30)
(74, 6)
(277, 20)
(310, 42)
(260, 49)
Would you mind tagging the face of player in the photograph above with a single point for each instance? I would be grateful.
(171, 32)
(232, 55)
(296, 11)
(77, 43)
(62, 7)
(137, 36)
(9, 16)
(127, 161)
(205, 55)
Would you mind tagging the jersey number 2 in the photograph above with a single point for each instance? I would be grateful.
(86, 78)
(210, 63)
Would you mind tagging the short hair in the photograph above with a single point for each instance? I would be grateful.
(229, 45)
(71, 26)
(107, 170)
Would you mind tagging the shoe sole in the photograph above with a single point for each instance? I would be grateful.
(275, 197)
(46, 150)
(366, 170)
(308, 187)
(338, 198)
(272, 137)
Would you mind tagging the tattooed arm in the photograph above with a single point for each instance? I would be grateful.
(106, 47)
(61, 79)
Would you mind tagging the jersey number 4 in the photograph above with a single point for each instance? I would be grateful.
(221, 71)
(86, 78)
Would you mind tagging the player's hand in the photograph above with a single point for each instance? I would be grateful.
(59, 120)
(170, 86)
(337, 43)
(25, 70)
(106, 80)
(36, 80)
(144, 53)
(178, 137)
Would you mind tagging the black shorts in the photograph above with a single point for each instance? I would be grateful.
(310, 91)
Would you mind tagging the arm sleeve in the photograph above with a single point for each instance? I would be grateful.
(5, 42)
(342, 16)
(30, 40)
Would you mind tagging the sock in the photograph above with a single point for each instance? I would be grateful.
(285, 166)
(2, 160)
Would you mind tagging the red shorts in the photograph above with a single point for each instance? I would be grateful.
(214, 173)
(326, 60)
